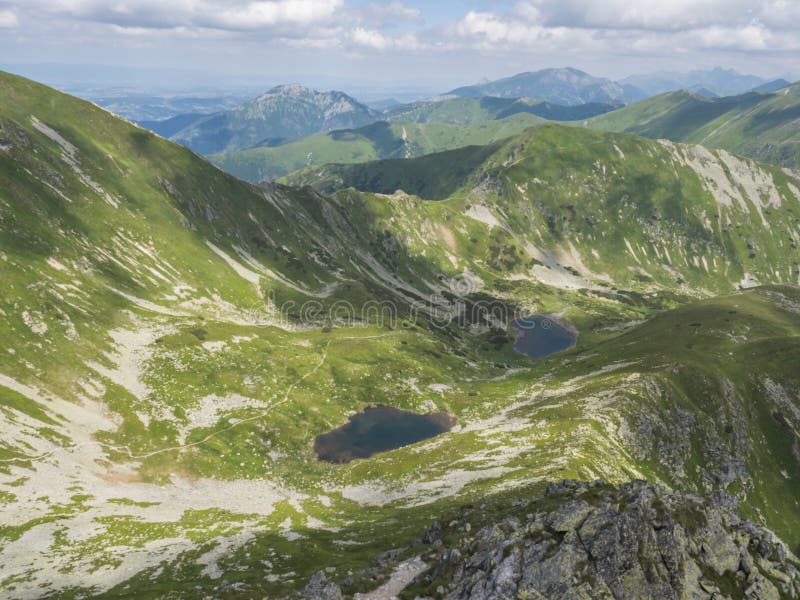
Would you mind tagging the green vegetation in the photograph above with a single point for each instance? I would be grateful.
(159, 412)
(378, 140)
(408, 131)
(761, 126)
(469, 111)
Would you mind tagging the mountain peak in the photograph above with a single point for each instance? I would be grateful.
(290, 89)
(283, 113)
(561, 85)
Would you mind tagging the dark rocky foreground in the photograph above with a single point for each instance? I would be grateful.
(591, 540)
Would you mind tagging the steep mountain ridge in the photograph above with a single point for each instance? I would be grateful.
(595, 541)
(761, 126)
(283, 113)
(375, 141)
(408, 131)
(468, 111)
(704, 218)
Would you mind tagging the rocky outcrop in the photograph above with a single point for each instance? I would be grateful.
(321, 588)
(591, 540)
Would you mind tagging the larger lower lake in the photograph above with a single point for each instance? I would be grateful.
(378, 429)
(538, 336)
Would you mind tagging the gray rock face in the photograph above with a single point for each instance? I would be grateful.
(321, 588)
(591, 540)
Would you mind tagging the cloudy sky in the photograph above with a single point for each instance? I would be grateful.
(435, 43)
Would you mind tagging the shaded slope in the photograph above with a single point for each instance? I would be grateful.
(375, 141)
(432, 177)
(465, 111)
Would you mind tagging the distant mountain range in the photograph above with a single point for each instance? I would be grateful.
(409, 130)
(292, 127)
(571, 87)
(722, 82)
(371, 142)
(289, 112)
(565, 86)
(284, 112)
(468, 111)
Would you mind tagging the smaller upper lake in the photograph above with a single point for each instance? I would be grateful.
(377, 429)
(538, 336)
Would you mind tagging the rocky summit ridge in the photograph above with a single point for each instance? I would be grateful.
(593, 540)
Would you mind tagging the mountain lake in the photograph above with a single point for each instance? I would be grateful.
(378, 429)
(538, 336)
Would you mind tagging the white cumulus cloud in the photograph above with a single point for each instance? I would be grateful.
(268, 14)
(8, 18)
(220, 14)
(369, 38)
(652, 15)
(657, 25)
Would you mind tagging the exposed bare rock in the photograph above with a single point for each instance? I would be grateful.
(591, 540)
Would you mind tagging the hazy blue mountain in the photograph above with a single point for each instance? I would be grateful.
(169, 127)
(468, 111)
(563, 86)
(283, 113)
(723, 82)
(772, 86)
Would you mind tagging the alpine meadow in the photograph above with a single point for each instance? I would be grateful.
(340, 299)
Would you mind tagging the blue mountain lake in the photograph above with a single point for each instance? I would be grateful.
(538, 336)
(378, 429)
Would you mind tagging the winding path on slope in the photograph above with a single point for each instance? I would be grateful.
(126, 450)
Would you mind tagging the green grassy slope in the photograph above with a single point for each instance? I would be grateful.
(467, 111)
(379, 140)
(613, 206)
(410, 130)
(761, 126)
(159, 417)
